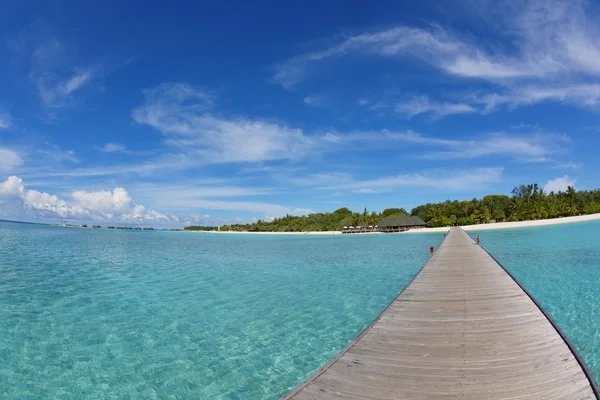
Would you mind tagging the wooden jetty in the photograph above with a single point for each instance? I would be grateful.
(463, 328)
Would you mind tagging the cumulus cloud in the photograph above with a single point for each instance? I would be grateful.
(181, 113)
(12, 186)
(115, 205)
(560, 184)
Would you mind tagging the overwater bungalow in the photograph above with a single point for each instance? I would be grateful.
(401, 223)
(96, 226)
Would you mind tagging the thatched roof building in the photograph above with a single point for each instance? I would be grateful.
(402, 222)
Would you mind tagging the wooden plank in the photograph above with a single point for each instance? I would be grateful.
(462, 328)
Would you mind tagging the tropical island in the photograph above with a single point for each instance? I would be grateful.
(526, 203)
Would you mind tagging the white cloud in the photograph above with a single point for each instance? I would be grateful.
(113, 148)
(568, 165)
(364, 191)
(316, 101)
(559, 184)
(54, 69)
(74, 83)
(439, 180)
(54, 153)
(422, 105)
(56, 92)
(533, 52)
(585, 95)
(531, 147)
(5, 120)
(551, 38)
(523, 148)
(391, 42)
(192, 195)
(12, 186)
(180, 112)
(108, 202)
(9, 159)
(115, 205)
(258, 207)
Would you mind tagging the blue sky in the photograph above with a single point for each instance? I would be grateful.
(214, 113)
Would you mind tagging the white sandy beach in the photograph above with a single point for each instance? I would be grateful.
(480, 227)
(527, 224)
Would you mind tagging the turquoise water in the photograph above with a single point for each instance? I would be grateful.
(101, 314)
(560, 266)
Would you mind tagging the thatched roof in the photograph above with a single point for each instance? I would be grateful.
(418, 221)
(402, 220)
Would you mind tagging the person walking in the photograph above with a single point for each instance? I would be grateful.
(478, 240)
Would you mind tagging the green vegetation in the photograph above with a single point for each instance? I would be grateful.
(334, 221)
(200, 228)
(528, 202)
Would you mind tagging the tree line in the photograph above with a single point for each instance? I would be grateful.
(528, 202)
(200, 228)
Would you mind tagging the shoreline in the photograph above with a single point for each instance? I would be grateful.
(468, 228)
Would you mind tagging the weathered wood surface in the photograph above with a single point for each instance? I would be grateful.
(462, 329)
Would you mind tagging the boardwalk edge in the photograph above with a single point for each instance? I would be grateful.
(565, 338)
(324, 368)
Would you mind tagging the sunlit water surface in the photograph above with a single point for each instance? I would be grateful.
(560, 266)
(99, 314)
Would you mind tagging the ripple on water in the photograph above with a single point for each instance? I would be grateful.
(560, 266)
(91, 314)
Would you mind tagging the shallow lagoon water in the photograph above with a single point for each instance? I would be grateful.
(103, 313)
(560, 266)
(126, 314)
